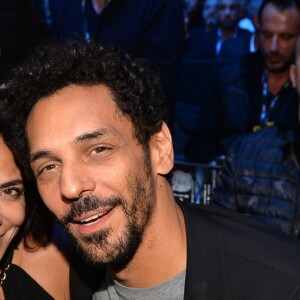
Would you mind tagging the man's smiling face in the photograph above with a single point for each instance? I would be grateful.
(91, 171)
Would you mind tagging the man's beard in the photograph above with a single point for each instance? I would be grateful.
(283, 67)
(229, 24)
(96, 247)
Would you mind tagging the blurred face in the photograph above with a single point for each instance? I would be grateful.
(12, 201)
(91, 172)
(228, 13)
(278, 34)
(209, 12)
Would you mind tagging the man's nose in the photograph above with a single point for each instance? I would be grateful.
(75, 181)
(274, 43)
(227, 10)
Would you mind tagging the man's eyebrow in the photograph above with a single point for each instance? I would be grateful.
(11, 183)
(81, 138)
(37, 155)
(91, 135)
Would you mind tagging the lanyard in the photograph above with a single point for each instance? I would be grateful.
(266, 107)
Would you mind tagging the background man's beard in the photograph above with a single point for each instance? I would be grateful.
(228, 25)
(278, 70)
(285, 66)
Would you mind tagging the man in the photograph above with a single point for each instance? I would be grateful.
(209, 14)
(92, 120)
(204, 44)
(228, 16)
(235, 48)
(260, 177)
(257, 91)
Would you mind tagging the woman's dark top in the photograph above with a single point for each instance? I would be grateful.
(19, 285)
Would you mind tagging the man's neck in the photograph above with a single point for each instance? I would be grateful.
(276, 81)
(162, 254)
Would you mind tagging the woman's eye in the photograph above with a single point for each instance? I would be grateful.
(12, 192)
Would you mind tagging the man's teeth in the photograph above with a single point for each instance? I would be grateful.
(92, 219)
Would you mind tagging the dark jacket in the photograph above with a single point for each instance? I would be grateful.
(261, 178)
(235, 48)
(231, 256)
(22, 30)
(149, 29)
(201, 44)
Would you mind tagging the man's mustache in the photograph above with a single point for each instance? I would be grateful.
(87, 204)
(274, 54)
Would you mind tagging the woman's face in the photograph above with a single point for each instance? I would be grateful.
(12, 201)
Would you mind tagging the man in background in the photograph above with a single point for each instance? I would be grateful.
(209, 14)
(257, 91)
(260, 176)
(234, 49)
(203, 44)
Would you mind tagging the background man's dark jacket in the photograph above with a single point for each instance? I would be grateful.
(261, 178)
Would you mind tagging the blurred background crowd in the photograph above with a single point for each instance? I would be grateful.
(225, 68)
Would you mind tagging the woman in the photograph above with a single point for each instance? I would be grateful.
(12, 202)
(35, 253)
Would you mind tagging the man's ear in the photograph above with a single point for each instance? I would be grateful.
(161, 148)
(293, 75)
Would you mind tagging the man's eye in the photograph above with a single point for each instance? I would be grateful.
(47, 168)
(267, 35)
(286, 37)
(99, 149)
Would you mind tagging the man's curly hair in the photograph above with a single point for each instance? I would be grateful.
(136, 89)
